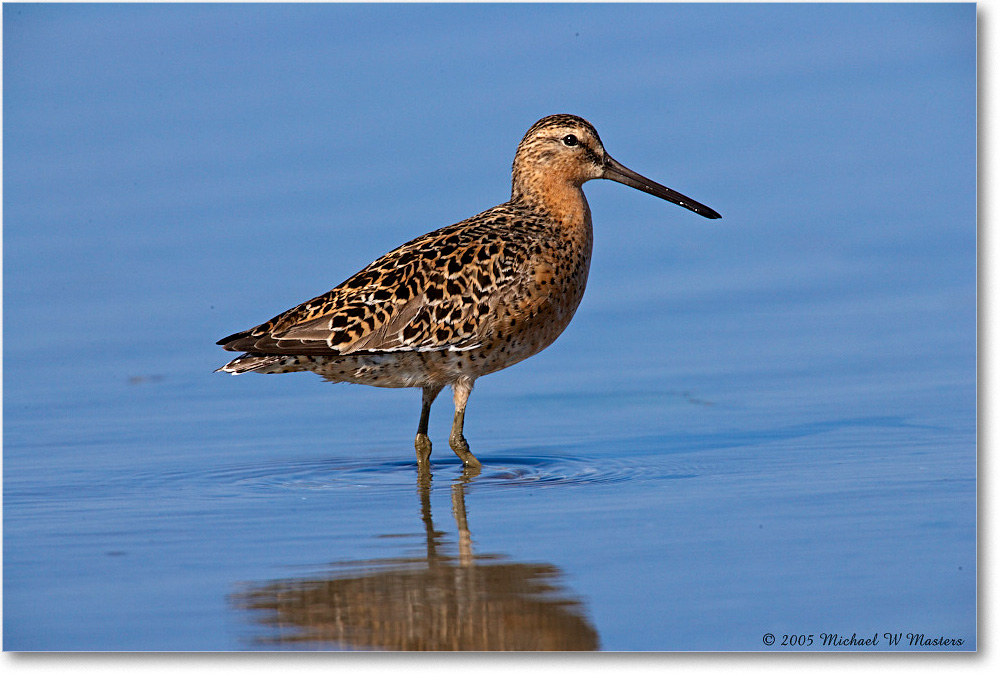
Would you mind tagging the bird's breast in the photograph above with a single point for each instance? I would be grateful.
(540, 304)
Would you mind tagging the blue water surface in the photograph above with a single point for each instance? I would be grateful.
(758, 426)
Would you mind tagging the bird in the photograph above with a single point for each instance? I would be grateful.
(465, 300)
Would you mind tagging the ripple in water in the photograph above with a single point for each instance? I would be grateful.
(504, 471)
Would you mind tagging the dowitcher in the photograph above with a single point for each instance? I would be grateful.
(463, 301)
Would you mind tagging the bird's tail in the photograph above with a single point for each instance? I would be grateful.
(261, 363)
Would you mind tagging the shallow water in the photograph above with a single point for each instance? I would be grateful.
(759, 425)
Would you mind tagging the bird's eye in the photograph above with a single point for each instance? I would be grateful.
(570, 140)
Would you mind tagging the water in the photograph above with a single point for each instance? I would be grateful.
(759, 425)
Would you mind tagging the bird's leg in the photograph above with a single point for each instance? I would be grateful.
(422, 442)
(457, 441)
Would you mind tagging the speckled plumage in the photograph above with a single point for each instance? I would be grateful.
(463, 301)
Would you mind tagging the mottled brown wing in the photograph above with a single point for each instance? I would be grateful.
(434, 293)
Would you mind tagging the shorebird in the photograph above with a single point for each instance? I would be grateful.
(464, 301)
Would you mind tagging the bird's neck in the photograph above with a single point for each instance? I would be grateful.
(562, 201)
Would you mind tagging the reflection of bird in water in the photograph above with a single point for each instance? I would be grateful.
(437, 602)
(463, 301)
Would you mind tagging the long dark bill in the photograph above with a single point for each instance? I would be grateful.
(613, 170)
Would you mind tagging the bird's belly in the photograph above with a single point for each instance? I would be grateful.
(509, 343)
(421, 369)
(394, 369)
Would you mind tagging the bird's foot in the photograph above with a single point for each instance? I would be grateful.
(423, 446)
(461, 448)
